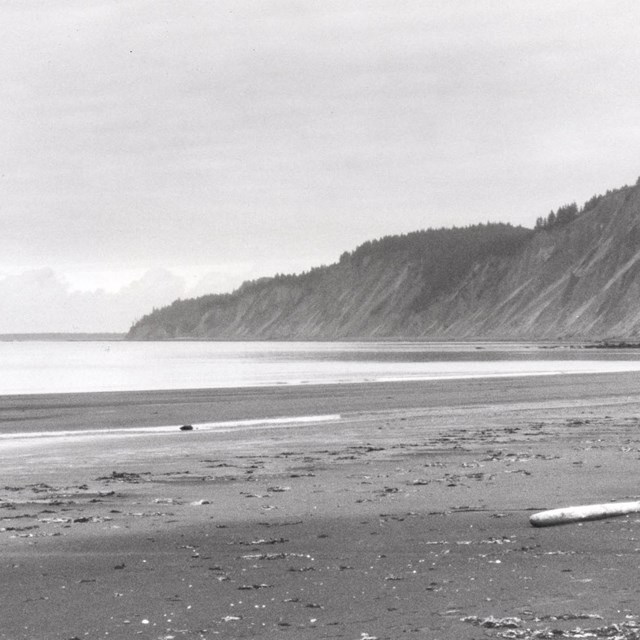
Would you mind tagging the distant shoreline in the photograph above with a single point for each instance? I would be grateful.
(68, 337)
(481, 342)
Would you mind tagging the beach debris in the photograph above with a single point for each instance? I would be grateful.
(572, 616)
(125, 476)
(54, 520)
(186, 427)
(275, 556)
(249, 587)
(264, 556)
(278, 489)
(85, 519)
(41, 487)
(629, 630)
(493, 623)
(199, 503)
(260, 541)
(568, 515)
(498, 540)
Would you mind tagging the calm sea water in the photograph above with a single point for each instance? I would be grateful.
(63, 367)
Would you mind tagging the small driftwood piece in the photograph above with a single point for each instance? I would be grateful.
(566, 515)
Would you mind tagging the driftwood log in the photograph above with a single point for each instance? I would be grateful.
(566, 515)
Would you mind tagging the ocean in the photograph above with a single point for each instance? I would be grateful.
(42, 367)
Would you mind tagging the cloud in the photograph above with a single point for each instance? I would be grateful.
(41, 300)
(85, 299)
(45, 300)
(281, 132)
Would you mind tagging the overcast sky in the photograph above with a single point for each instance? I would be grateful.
(156, 149)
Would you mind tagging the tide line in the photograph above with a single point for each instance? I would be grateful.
(256, 423)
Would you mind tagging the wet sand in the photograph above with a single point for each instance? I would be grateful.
(407, 516)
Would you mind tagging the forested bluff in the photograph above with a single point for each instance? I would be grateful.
(576, 275)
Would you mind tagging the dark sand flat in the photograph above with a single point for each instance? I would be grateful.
(405, 517)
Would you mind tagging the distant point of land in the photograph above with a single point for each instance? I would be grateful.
(56, 337)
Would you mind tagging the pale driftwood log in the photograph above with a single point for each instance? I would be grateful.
(566, 515)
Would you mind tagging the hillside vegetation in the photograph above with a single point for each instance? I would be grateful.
(577, 275)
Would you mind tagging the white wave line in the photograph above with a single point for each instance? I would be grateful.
(257, 423)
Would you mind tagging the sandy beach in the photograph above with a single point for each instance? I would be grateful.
(393, 510)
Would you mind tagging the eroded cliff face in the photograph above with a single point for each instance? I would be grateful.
(580, 280)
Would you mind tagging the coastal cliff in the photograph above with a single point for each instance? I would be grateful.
(575, 276)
